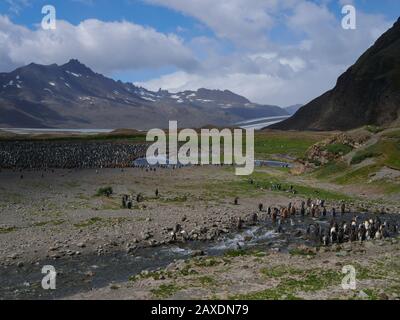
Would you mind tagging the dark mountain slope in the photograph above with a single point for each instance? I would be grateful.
(73, 96)
(368, 93)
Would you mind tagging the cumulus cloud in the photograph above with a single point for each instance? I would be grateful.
(241, 21)
(271, 72)
(263, 88)
(325, 41)
(104, 46)
(257, 65)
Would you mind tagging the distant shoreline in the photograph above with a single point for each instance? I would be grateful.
(45, 130)
(257, 124)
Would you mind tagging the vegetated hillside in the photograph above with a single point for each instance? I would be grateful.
(369, 156)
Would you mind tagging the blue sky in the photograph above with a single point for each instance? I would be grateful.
(276, 52)
(137, 11)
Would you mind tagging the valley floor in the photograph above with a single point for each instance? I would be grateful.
(58, 217)
(270, 275)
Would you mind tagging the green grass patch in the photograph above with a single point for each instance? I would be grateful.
(388, 267)
(392, 135)
(302, 252)
(386, 152)
(177, 199)
(207, 281)
(263, 181)
(314, 280)
(363, 155)
(269, 145)
(104, 191)
(357, 176)
(236, 253)
(330, 169)
(392, 152)
(52, 222)
(311, 192)
(338, 149)
(163, 274)
(165, 291)
(372, 294)
(4, 230)
(293, 282)
(389, 149)
(207, 263)
(388, 187)
(241, 252)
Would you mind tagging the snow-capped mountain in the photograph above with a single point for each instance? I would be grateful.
(73, 96)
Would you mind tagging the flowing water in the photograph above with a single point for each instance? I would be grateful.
(25, 282)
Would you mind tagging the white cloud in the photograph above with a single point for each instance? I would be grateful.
(263, 88)
(104, 46)
(326, 40)
(264, 70)
(270, 72)
(241, 21)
